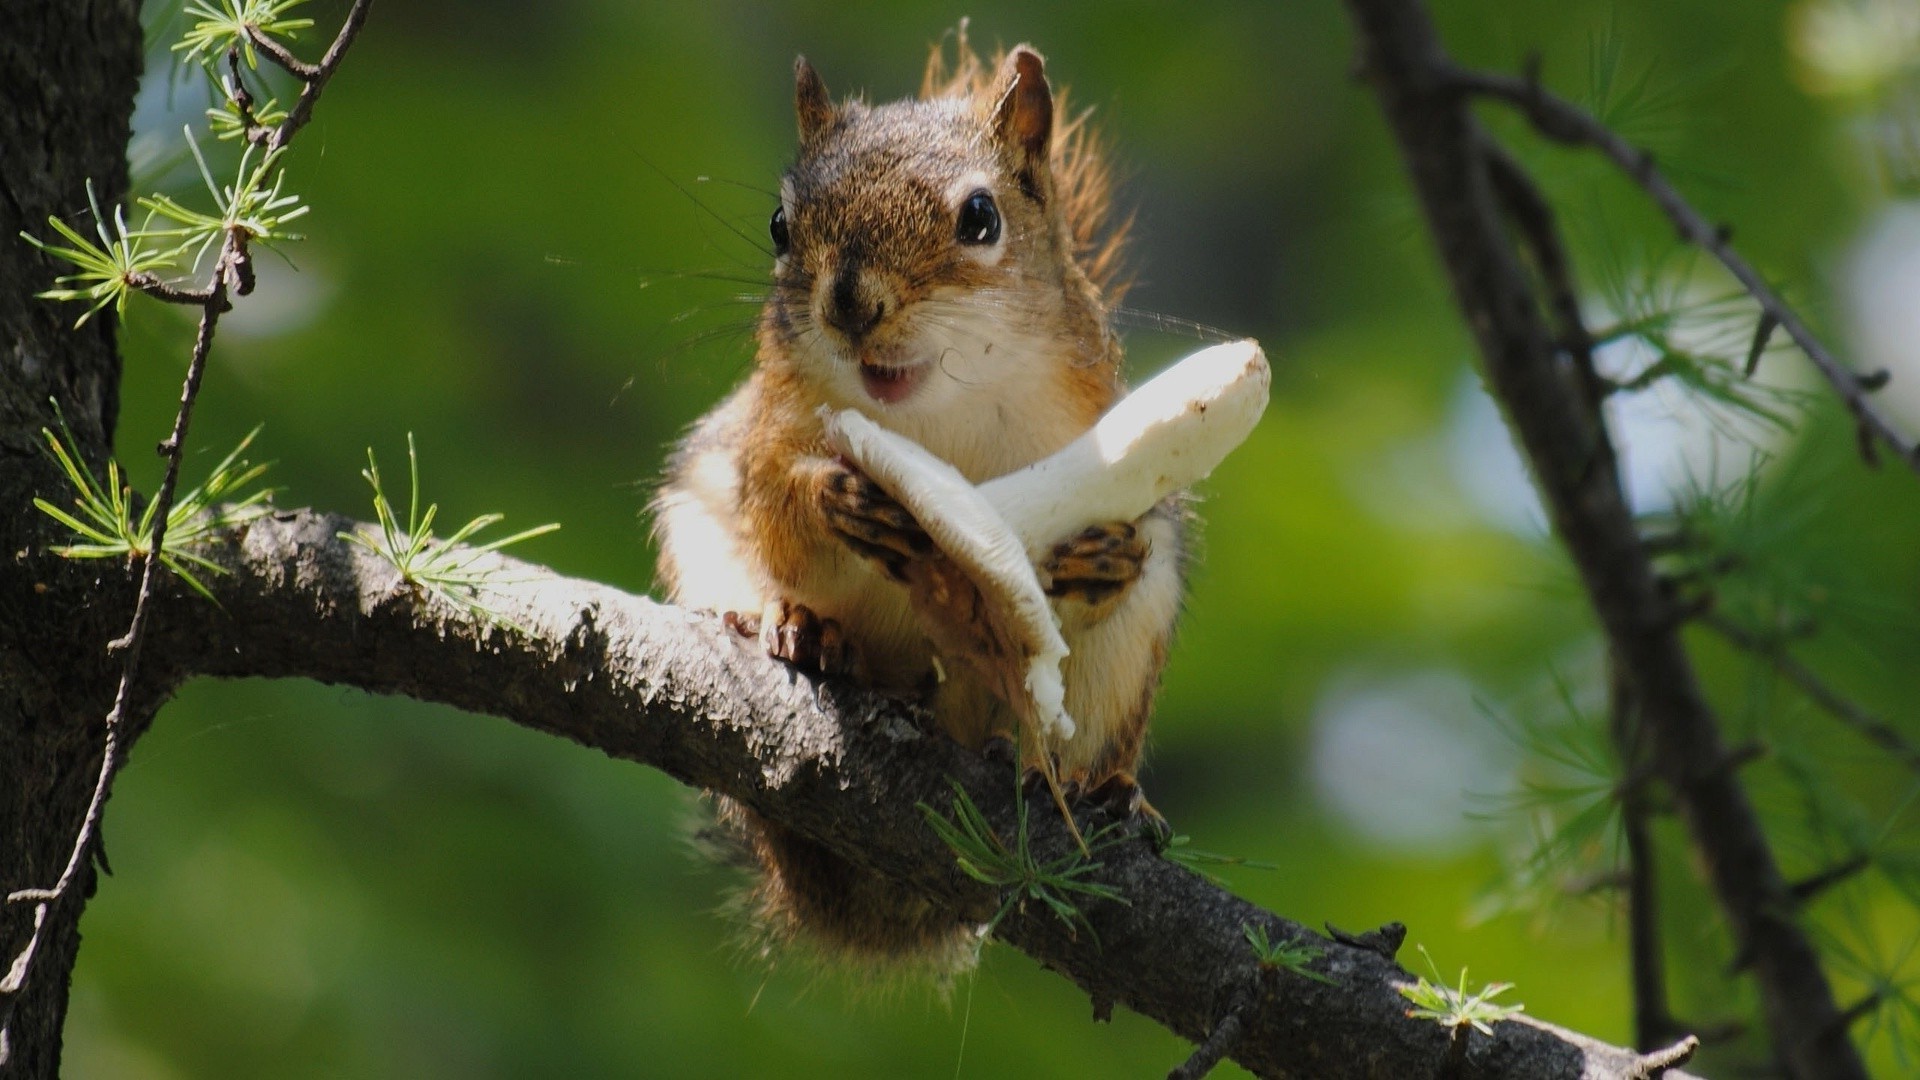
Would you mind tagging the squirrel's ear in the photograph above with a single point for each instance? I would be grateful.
(1023, 116)
(810, 100)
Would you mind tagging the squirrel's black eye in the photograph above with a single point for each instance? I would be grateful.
(778, 228)
(979, 220)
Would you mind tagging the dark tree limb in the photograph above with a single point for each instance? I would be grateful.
(677, 691)
(1566, 443)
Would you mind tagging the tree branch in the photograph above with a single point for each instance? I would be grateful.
(1562, 121)
(678, 691)
(1566, 442)
(1869, 726)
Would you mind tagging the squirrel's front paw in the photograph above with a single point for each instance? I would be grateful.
(1097, 564)
(869, 521)
(793, 633)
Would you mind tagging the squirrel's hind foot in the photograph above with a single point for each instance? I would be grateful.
(1120, 799)
(792, 633)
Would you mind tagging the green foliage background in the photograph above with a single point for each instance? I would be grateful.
(313, 882)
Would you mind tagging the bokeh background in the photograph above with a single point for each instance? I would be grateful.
(515, 208)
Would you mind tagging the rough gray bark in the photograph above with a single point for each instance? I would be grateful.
(68, 72)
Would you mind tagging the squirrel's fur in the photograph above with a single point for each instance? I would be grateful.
(990, 353)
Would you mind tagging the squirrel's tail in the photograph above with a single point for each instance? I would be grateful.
(806, 898)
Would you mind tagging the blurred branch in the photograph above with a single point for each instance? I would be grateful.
(1870, 727)
(1562, 121)
(677, 691)
(1468, 194)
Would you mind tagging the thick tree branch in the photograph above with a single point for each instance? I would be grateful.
(1466, 199)
(676, 690)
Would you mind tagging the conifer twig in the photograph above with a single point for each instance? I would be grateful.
(1869, 726)
(1562, 121)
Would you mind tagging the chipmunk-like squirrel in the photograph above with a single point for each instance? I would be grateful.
(944, 265)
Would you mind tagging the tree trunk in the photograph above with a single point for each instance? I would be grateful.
(68, 73)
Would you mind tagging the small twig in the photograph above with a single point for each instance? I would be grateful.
(1385, 940)
(1807, 888)
(1740, 755)
(1870, 727)
(1762, 334)
(1220, 1043)
(314, 77)
(280, 54)
(1861, 1009)
(1561, 120)
(172, 294)
(235, 85)
(1655, 1064)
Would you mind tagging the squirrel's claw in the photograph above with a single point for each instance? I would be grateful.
(1119, 797)
(794, 634)
(869, 520)
(1097, 564)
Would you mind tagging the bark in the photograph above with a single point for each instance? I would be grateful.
(68, 72)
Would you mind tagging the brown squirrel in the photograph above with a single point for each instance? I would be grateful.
(945, 266)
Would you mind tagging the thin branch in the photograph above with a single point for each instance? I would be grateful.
(1562, 121)
(275, 50)
(1657, 1063)
(1225, 1035)
(235, 86)
(1808, 888)
(1762, 335)
(171, 294)
(1869, 726)
(313, 77)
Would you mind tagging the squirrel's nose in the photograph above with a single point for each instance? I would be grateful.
(851, 308)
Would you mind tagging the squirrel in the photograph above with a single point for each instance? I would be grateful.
(944, 265)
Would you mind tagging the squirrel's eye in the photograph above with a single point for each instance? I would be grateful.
(979, 220)
(778, 228)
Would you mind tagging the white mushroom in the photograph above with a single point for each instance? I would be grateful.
(1169, 433)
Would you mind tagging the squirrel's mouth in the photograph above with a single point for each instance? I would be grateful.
(890, 384)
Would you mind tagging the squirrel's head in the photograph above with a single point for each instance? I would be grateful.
(922, 248)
